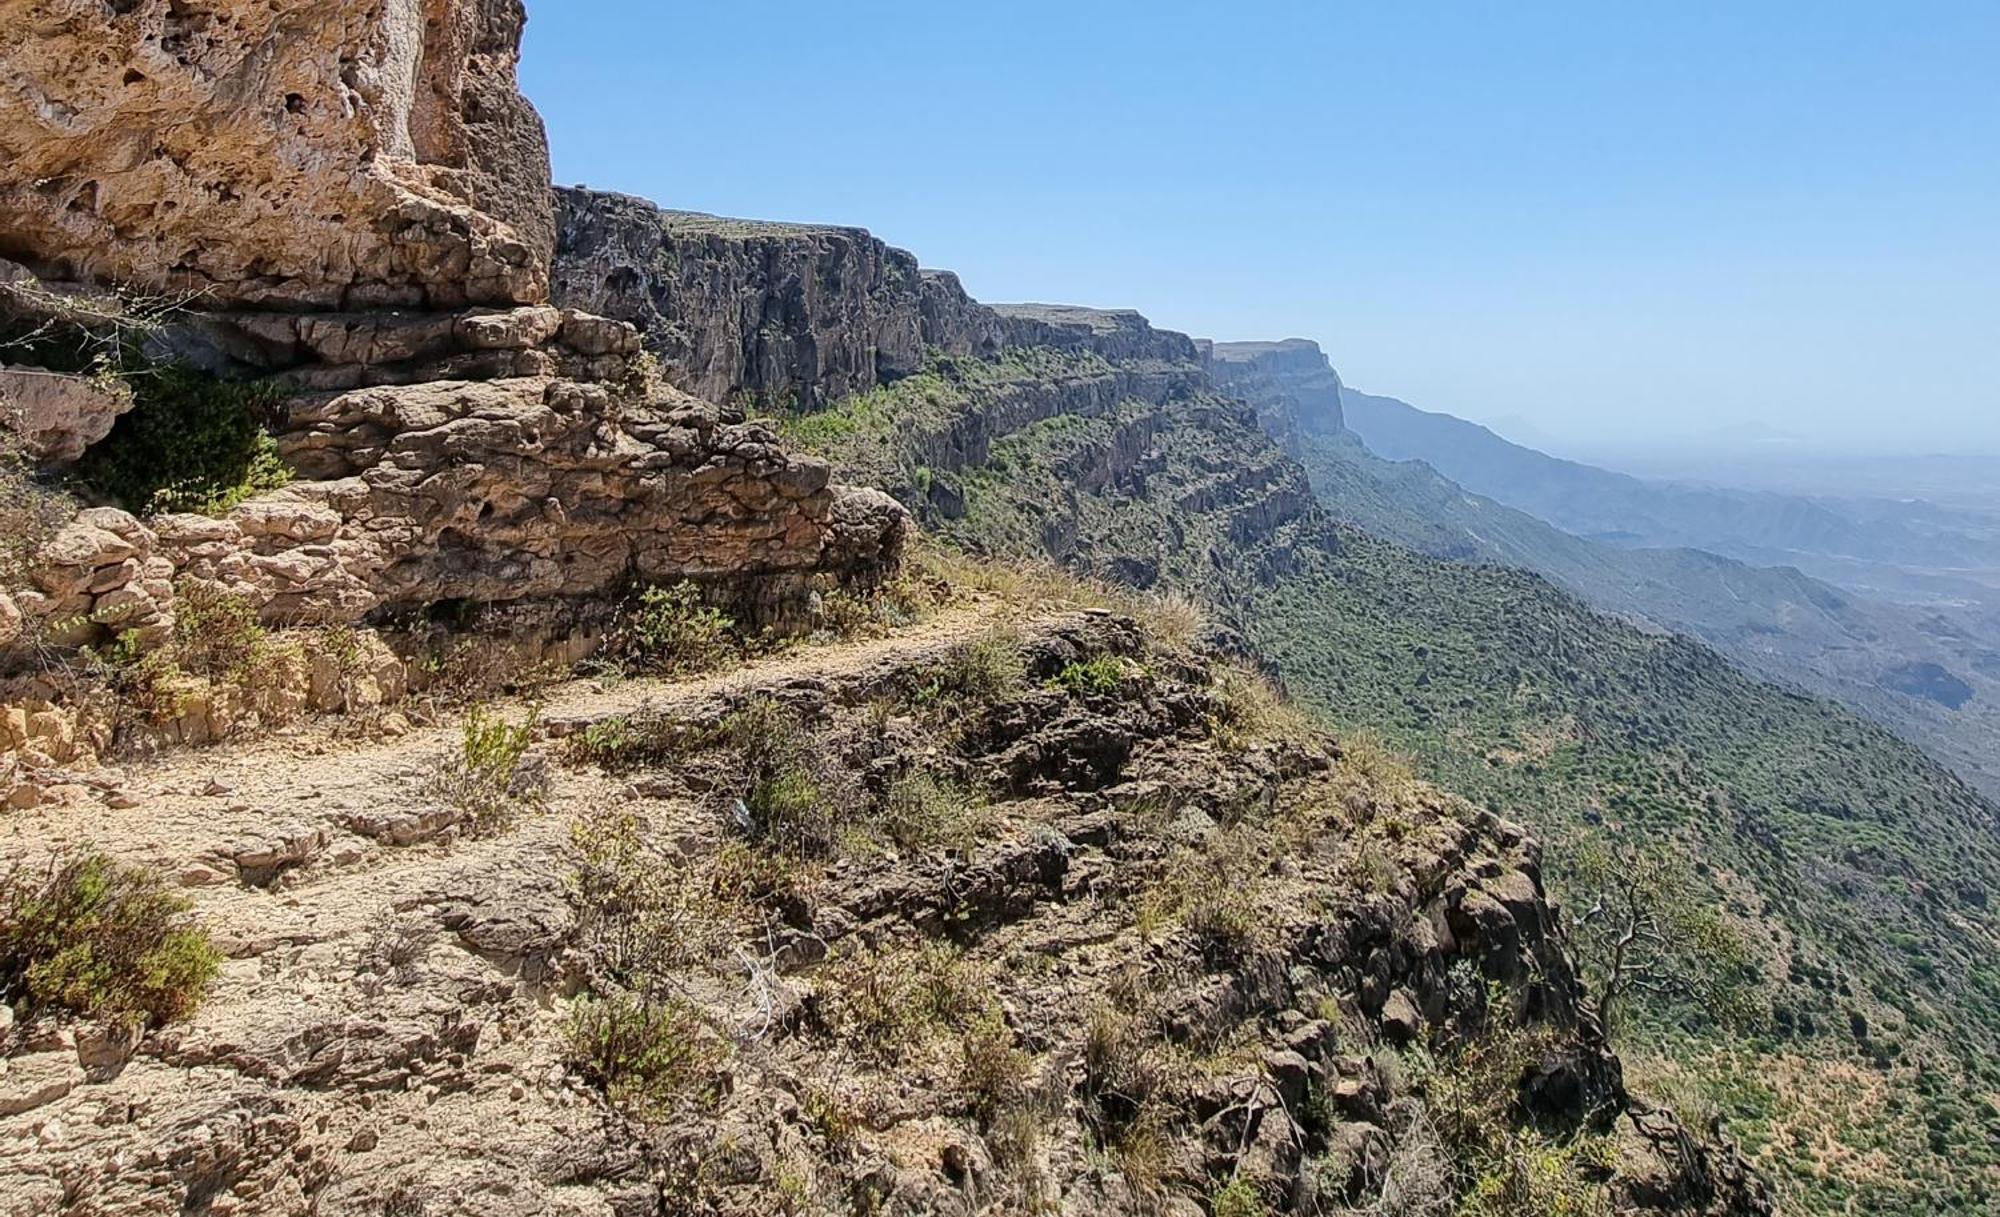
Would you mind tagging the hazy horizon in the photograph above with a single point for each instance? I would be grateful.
(1603, 222)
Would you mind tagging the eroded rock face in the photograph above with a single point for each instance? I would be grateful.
(57, 416)
(281, 153)
(1119, 335)
(782, 313)
(487, 492)
(1294, 371)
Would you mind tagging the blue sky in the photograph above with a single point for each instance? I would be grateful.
(1608, 220)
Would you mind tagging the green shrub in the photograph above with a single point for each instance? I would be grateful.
(189, 443)
(484, 781)
(1237, 1198)
(1099, 677)
(984, 671)
(652, 1056)
(793, 794)
(674, 632)
(217, 635)
(101, 939)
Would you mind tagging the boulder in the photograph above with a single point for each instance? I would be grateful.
(58, 416)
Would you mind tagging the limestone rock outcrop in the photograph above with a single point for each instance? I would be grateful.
(275, 153)
(58, 416)
(778, 313)
(1119, 335)
(351, 201)
(1294, 371)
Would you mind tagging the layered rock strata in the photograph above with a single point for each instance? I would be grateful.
(325, 189)
(775, 313)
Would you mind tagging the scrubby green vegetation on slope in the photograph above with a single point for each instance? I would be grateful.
(1859, 875)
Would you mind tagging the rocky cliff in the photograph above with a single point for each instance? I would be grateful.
(288, 154)
(337, 185)
(772, 313)
(998, 892)
(1286, 381)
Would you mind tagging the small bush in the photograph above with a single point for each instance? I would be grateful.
(985, 671)
(217, 635)
(485, 780)
(1237, 1198)
(101, 939)
(673, 632)
(652, 1056)
(994, 1072)
(922, 809)
(795, 798)
(31, 513)
(641, 913)
(892, 1002)
(623, 743)
(189, 443)
(1103, 676)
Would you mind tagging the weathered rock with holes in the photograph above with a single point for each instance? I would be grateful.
(284, 153)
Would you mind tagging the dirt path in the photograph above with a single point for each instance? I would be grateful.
(363, 959)
(219, 820)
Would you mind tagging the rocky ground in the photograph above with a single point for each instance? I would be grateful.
(1144, 938)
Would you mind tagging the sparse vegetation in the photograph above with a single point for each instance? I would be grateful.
(654, 1056)
(485, 781)
(642, 913)
(32, 510)
(218, 643)
(1212, 893)
(671, 631)
(1101, 676)
(923, 809)
(103, 939)
(795, 799)
(189, 443)
(890, 1003)
(982, 672)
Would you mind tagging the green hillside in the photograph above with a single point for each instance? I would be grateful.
(1859, 874)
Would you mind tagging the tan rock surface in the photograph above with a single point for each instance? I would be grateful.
(290, 153)
(55, 416)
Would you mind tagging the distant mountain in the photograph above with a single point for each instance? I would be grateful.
(1931, 675)
(1901, 549)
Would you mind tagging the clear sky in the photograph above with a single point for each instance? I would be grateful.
(1601, 218)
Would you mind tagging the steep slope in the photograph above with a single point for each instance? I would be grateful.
(1857, 871)
(954, 889)
(1137, 971)
(1920, 672)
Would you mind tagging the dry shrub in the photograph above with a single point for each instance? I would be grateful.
(1250, 710)
(641, 913)
(102, 939)
(1212, 893)
(892, 1003)
(486, 781)
(654, 1056)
